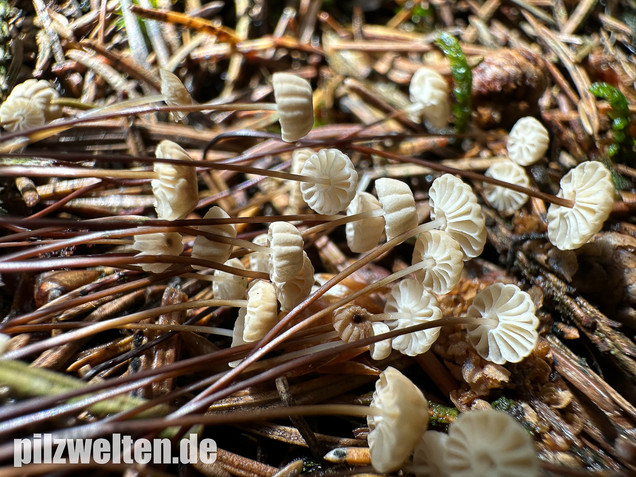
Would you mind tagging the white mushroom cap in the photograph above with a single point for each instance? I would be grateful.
(353, 323)
(589, 185)
(40, 93)
(261, 314)
(158, 244)
(364, 234)
(398, 204)
(21, 114)
(175, 93)
(502, 199)
(228, 286)
(428, 457)
(492, 443)
(259, 261)
(335, 166)
(444, 258)
(291, 292)
(287, 244)
(237, 332)
(294, 101)
(207, 249)
(452, 199)
(299, 157)
(509, 329)
(176, 190)
(402, 420)
(429, 89)
(528, 141)
(414, 305)
(381, 349)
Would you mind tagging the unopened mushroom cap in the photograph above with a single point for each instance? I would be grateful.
(40, 93)
(381, 349)
(402, 419)
(286, 259)
(503, 199)
(212, 250)
(352, 323)
(20, 114)
(452, 199)
(411, 299)
(228, 286)
(364, 234)
(169, 243)
(492, 443)
(445, 261)
(176, 190)
(299, 157)
(335, 166)
(589, 185)
(398, 204)
(294, 101)
(509, 329)
(528, 141)
(429, 89)
(259, 261)
(291, 292)
(261, 314)
(428, 456)
(174, 92)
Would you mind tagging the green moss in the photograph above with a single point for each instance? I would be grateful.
(462, 78)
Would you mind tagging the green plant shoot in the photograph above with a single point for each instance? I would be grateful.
(462, 78)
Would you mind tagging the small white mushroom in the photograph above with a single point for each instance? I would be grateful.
(299, 157)
(400, 417)
(291, 292)
(454, 203)
(489, 442)
(261, 314)
(207, 249)
(294, 102)
(409, 304)
(336, 181)
(428, 456)
(41, 93)
(429, 90)
(528, 141)
(442, 261)
(227, 286)
(169, 243)
(18, 114)
(381, 349)
(286, 244)
(398, 204)
(364, 234)
(503, 199)
(353, 323)
(175, 93)
(175, 188)
(589, 185)
(507, 329)
(259, 260)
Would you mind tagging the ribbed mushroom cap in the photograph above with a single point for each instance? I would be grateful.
(528, 141)
(174, 92)
(294, 101)
(286, 259)
(364, 234)
(335, 166)
(381, 349)
(589, 185)
(410, 298)
(20, 114)
(169, 243)
(261, 314)
(299, 157)
(428, 457)
(429, 89)
(229, 286)
(176, 190)
(291, 292)
(398, 204)
(452, 199)
(259, 261)
(502, 199)
(402, 419)
(509, 329)
(353, 323)
(40, 93)
(489, 443)
(207, 249)
(444, 259)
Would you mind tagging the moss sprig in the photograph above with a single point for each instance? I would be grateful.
(462, 78)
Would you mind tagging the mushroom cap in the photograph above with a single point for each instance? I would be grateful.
(286, 259)
(381, 349)
(410, 298)
(502, 199)
(294, 102)
(259, 261)
(492, 443)
(509, 332)
(589, 185)
(402, 419)
(291, 292)
(40, 93)
(445, 261)
(176, 190)
(428, 456)
(207, 249)
(352, 323)
(528, 141)
(21, 114)
(429, 89)
(174, 92)
(229, 286)
(398, 204)
(452, 199)
(299, 157)
(168, 243)
(261, 314)
(336, 166)
(364, 234)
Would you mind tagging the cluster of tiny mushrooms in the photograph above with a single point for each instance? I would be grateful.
(501, 323)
